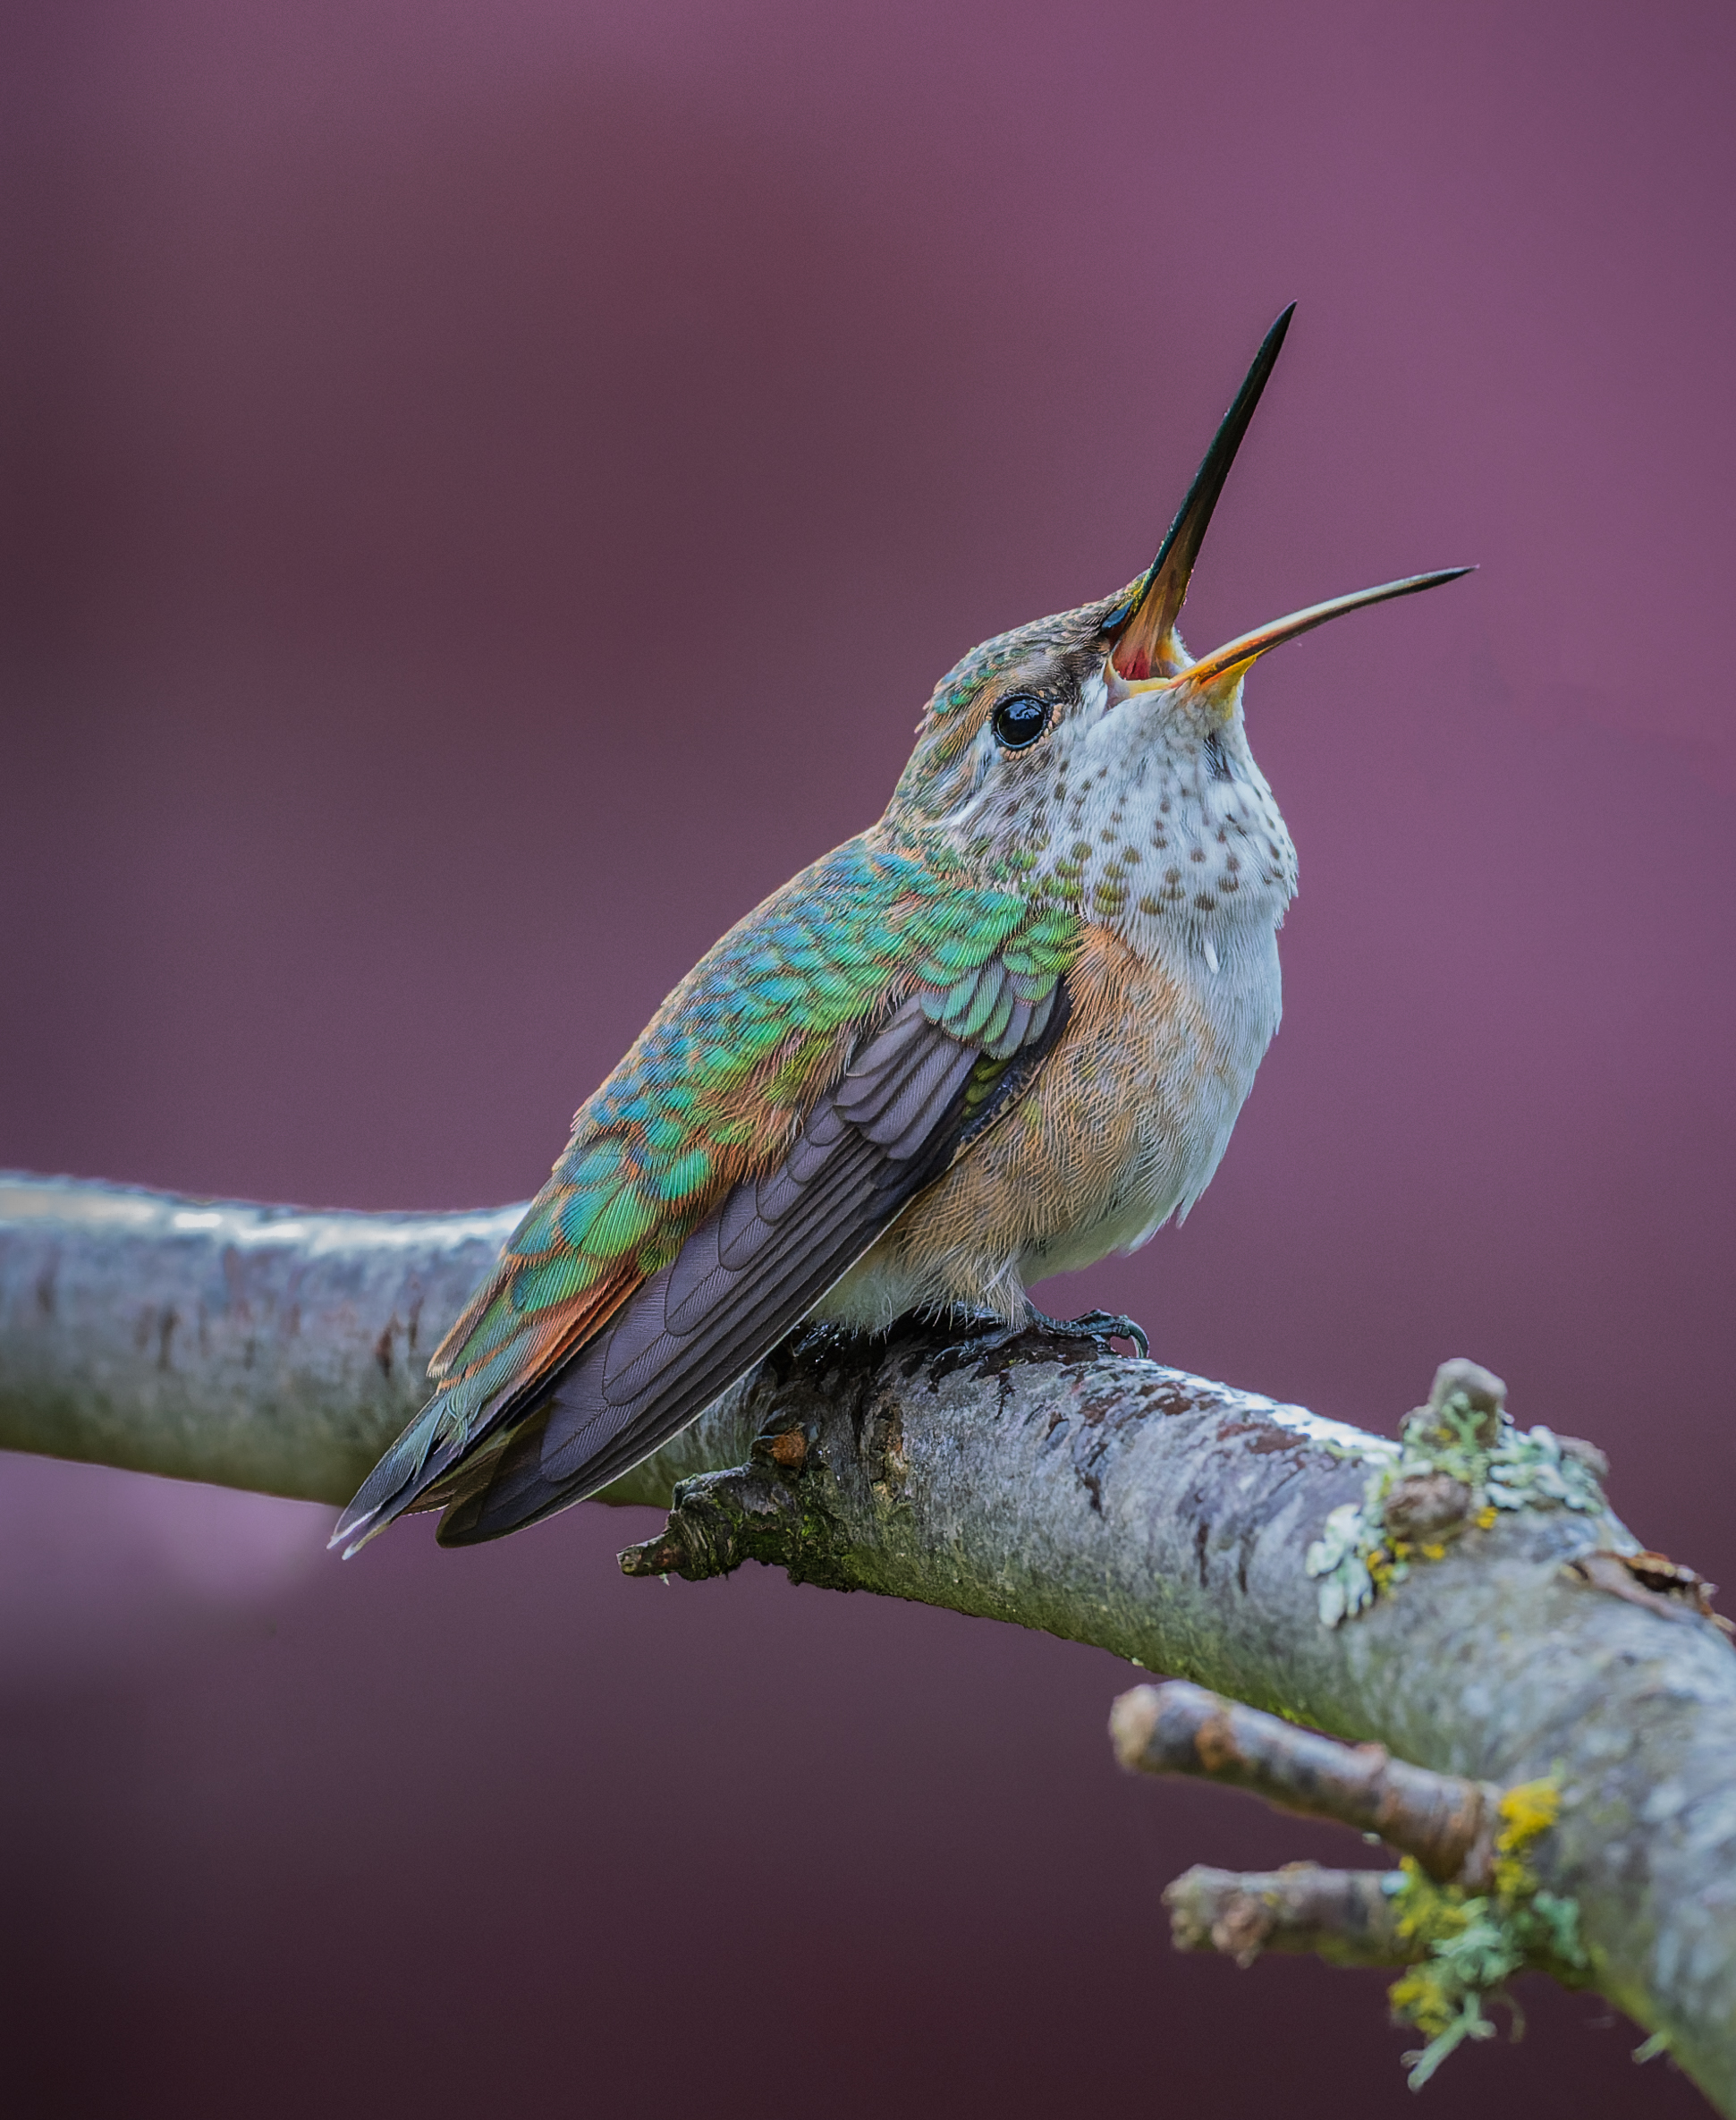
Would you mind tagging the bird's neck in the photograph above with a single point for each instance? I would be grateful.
(1184, 859)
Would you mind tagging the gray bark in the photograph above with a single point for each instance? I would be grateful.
(1342, 1915)
(1156, 1514)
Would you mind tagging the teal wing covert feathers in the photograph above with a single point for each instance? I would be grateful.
(818, 1068)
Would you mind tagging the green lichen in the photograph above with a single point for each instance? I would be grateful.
(1474, 1944)
(1465, 1433)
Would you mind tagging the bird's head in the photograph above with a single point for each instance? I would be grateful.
(1092, 756)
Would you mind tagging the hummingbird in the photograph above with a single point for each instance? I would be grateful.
(1003, 1032)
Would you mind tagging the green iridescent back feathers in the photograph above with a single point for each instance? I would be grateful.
(720, 1078)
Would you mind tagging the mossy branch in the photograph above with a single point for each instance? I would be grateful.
(1511, 1633)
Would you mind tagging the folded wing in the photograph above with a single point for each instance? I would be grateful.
(817, 1069)
(912, 1099)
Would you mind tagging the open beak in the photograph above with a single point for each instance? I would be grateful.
(1147, 655)
(1216, 677)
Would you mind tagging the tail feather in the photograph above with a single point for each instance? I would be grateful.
(388, 1489)
(467, 1410)
(459, 1415)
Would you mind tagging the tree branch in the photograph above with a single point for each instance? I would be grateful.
(1345, 1916)
(1447, 1823)
(1168, 1519)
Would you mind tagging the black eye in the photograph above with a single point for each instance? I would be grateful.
(1020, 720)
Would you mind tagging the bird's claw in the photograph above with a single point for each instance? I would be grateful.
(1096, 1325)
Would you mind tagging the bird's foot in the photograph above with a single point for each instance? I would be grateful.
(1096, 1325)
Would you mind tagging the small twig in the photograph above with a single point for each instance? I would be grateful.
(762, 1511)
(1346, 1916)
(1445, 1822)
(718, 1520)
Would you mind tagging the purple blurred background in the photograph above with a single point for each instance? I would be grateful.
(490, 488)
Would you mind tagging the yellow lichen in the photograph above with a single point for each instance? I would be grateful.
(1384, 1562)
(1470, 1946)
(1528, 1809)
(1429, 1995)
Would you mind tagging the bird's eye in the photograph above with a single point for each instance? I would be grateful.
(1020, 720)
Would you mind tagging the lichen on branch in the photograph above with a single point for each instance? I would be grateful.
(1460, 1462)
(1474, 1943)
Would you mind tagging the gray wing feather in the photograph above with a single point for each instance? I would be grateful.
(750, 1273)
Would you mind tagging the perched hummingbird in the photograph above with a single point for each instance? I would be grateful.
(1003, 1032)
